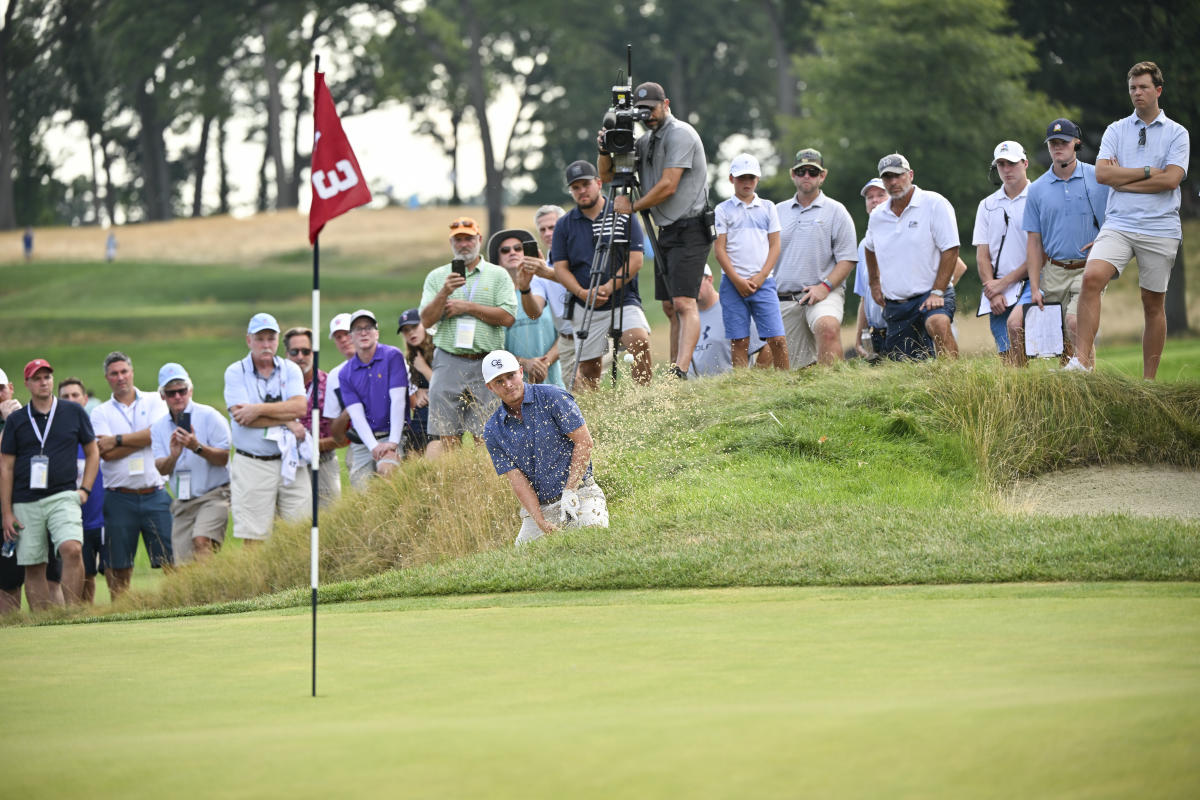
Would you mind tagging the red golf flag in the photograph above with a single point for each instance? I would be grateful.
(337, 181)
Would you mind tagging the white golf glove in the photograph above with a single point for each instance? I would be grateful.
(568, 505)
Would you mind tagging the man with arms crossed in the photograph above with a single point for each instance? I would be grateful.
(264, 393)
(135, 501)
(39, 501)
(674, 177)
(1064, 210)
(538, 440)
(1000, 243)
(575, 239)
(1144, 158)
(471, 313)
(375, 390)
(912, 249)
(817, 253)
(193, 454)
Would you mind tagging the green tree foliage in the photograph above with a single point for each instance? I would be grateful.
(941, 81)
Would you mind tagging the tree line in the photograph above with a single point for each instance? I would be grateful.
(940, 80)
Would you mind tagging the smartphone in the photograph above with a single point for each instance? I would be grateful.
(530, 248)
(459, 267)
(185, 421)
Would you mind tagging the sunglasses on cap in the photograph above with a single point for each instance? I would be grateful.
(810, 171)
(462, 223)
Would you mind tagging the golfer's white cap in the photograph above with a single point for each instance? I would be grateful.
(339, 323)
(745, 164)
(3, 378)
(498, 362)
(1009, 151)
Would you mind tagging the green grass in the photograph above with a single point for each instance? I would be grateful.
(993, 691)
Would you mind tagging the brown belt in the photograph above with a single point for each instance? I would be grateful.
(468, 356)
(148, 490)
(1074, 263)
(275, 457)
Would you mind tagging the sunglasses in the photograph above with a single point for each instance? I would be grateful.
(175, 392)
(811, 172)
(1142, 138)
(300, 351)
(514, 249)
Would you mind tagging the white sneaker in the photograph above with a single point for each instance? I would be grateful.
(1075, 365)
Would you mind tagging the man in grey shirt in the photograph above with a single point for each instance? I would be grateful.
(674, 177)
(817, 251)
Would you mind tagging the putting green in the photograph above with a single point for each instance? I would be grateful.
(984, 691)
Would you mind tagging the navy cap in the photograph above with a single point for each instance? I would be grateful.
(577, 170)
(410, 317)
(1063, 128)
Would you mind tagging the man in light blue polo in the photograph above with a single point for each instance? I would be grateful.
(538, 440)
(374, 386)
(191, 450)
(270, 476)
(1064, 210)
(1144, 158)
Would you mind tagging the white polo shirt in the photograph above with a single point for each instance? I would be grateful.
(746, 226)
(998, 222)
(136, 470)
(909, 247)
(211, 430)
(333, 403)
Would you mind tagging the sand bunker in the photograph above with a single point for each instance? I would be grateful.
(1137, 490)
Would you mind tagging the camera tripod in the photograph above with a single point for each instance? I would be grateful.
(624, 183)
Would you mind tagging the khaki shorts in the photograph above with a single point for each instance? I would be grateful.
(57, 518)
(799, 320)
(329, 479)
(593, 513)
(459, 400)
(258, 495)
(1061, 285)
(206, 515)
(1155, 255)
(597, 343)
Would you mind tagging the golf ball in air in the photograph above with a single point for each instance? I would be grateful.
(629, 358)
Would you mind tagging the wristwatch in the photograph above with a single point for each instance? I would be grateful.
(1147, 172)
(199, 450)
(525, 291)
(120, 440)
(937, 292)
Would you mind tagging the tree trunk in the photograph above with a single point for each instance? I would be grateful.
(493, 190)
(274, 120)
(201, 161)
(8, 218)
(785, 80)
(263, 192)
(456, 116)
(110, 197)
(1177, 316)
(95, 180)
(222, 170)
(156, 182)
(298, 159)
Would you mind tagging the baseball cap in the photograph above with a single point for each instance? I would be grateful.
(577, 170)
(498, 362)
(1009, 151)
(809, 156)
(340, 322)
(465, 225)
(3, 378)
(410, 317)
(745, 164)
(362, 312)
(1062, 128)
(894, 164)
(648, 94)
(171, 372)
(262, 322)
(35, 365)
(873, 182)
(497, 238)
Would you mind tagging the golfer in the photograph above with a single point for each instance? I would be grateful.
(538, 439)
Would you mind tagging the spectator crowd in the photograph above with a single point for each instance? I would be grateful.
(83, 481)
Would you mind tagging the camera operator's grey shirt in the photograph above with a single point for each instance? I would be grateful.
(674, 144)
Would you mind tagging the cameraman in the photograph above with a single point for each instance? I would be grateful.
(674, 177)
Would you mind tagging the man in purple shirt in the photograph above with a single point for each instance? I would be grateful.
(374, 388)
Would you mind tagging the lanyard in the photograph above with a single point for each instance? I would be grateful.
(129, 418)
(478, 279)
(41, 435)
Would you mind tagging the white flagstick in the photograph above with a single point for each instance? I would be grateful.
(316, 410)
